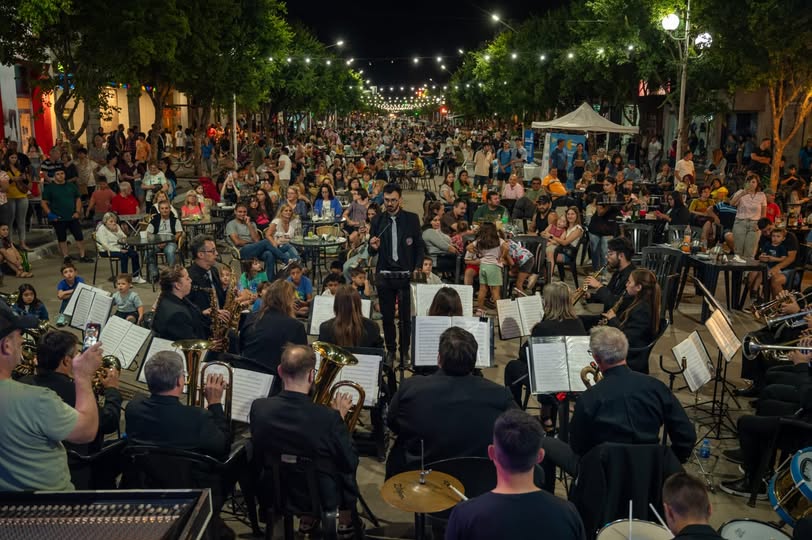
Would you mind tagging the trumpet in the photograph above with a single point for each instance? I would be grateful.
(751, 346)
(772, 308)
(576, 297)
(772, 322)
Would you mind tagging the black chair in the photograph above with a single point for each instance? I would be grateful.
(292, 485)
(641, 353)
(664, 263)
(611, 474)
(449, 264)
(98, 470)
(572, 266)
(155, 467)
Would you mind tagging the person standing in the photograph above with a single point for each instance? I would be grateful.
(516, 508)
(63, 206)
(395, 237)
(482, 165)
(558, 160)
(285, 167)
(751, 206)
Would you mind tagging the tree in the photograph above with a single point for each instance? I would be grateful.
(765, 44)
(55, 38)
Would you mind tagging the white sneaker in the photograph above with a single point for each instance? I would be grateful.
(139, 280)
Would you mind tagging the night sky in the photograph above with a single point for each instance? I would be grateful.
(384, 36)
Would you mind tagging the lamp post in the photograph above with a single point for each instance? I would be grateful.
(497, 18)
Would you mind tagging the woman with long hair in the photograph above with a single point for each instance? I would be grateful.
(447, 188)
(565, 247)
(751, 205)
(326, 200)
(677, 213)
(716, 168)
(282, 230)
(638, 315)
(559, 320)
(446, 303)
(349, 328)
(267, 331)
(260, 209)
(17, 194)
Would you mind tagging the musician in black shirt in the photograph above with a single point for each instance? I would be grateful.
(619, 260)
(516, 508)
(396, 238)
(625, 407)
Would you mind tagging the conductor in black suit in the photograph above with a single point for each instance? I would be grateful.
(175, 316)
(451, 411)
(396, 239)
(290, 423)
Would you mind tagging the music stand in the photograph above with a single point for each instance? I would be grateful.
(719, 413)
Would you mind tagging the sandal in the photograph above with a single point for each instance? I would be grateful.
(24, 275)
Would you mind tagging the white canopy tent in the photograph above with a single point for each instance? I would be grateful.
(584, 118)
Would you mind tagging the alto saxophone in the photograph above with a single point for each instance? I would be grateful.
(220, 328)
(603, 320)
(583, 289)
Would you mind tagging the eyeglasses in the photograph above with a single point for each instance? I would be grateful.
(208, 251)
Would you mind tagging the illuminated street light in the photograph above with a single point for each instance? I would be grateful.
(513, 56)
(329, 62)
(670, 22)
(703, 41)
(487, 57)
(416, 60)
(570, 55)
(543, 57)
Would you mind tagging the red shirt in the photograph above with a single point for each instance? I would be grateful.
(125, 206)
(773, 211)
(101, 200)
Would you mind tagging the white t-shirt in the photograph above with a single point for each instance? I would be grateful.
(684, 167)
(654, 149)
(285, 236)
(179, 138)
(284, 173)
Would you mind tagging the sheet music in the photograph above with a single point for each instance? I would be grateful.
(723, 335)
(123, 339)
(72, 300)
(578, 358)
(427, 331)
(366, 373)
(158, 345)
(81, 308)
(322, 310)
(531, 310)
(481, 331)
(510, 322)
(548, 361)
(424, 296)
(247, 387)
(100, 309)
(697, 372)
(92, 305)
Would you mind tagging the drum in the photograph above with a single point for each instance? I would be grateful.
(641, 530)
(790, 489)
(750, 529)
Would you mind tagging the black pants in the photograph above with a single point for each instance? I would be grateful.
(557, 453)
(390, 290)
(755, 435)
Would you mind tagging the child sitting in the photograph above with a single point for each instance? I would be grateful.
(29, 304)
(126, 301)
(772, 253)
(65, 288)
(361, 283)
(522, 268)
(460, 229)
(9, 256)
(304, 289)
(331, 283)
(253, 274)
(425, 275)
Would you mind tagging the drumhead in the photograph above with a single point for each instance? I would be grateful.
(773, 498)
(801, 470)
(641, 530)
(750, 529)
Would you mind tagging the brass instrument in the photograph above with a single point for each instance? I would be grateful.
(576, 297)
(773, 322)
(603, 320)
(333, 359)
(751, 347)
(593, 371)
(109, 361)
(772, 308)
(227, 399)
(28, 362)
(192, 350)
(9, 298)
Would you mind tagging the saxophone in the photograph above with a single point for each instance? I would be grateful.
(584, 288)
(603, 320)
(220, 328)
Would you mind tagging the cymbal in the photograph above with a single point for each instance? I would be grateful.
(405, 492)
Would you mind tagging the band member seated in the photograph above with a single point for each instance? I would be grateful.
(619, 261)
(469, 406)
(516, 508)
(267, 331)
(349, 328)
(754, 368)
(290, 423)
(175, 316)
(55, 353)
(625, 407)
(34, 421)
(638, 315)
(205, 275)
(687, 508)
(559, 320)
(162, 420)
(756, 432)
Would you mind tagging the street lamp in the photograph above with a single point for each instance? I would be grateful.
(498, 19)
(670, 24)
(339, 43)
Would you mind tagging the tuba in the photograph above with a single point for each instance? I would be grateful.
(593, 371)
(333, 359)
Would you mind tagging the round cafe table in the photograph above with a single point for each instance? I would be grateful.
(212, 225)
(144, 245)
(315, 251)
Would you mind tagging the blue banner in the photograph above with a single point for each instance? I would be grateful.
(529, 144)
(570, 142)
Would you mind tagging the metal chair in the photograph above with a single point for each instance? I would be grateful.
(102, 254)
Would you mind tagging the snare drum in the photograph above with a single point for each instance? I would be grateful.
(641, 530)
(790, 489)
(750, 529)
